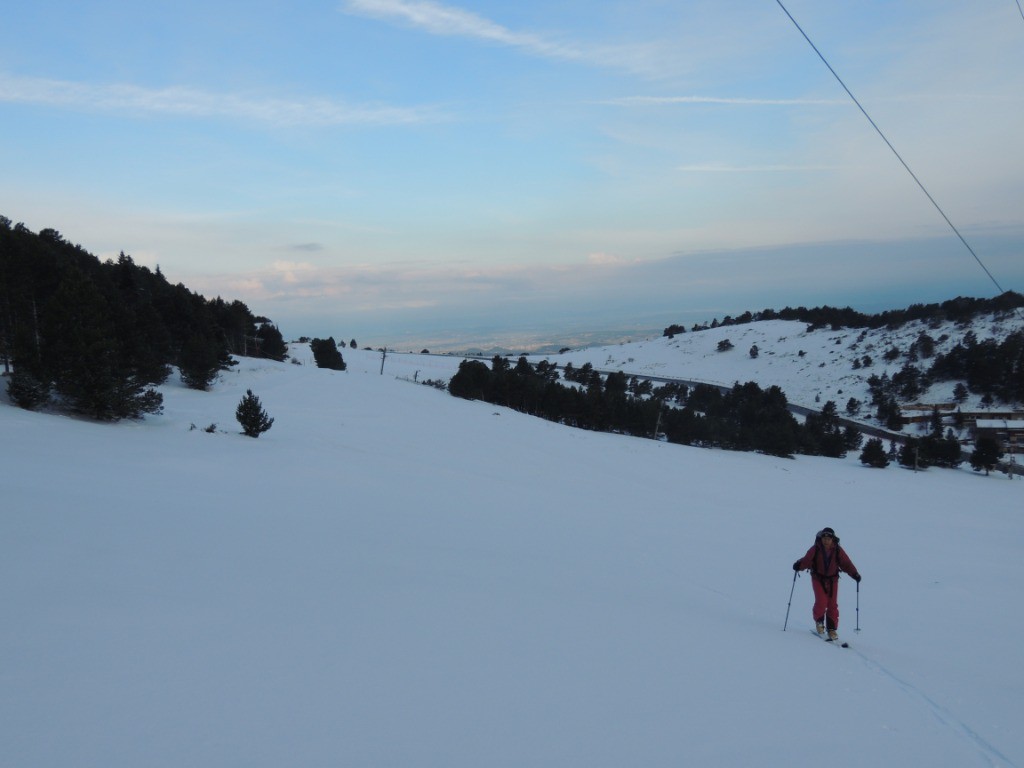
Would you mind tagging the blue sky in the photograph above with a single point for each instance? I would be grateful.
(391, 169)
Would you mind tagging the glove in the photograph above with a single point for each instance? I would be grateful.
(857, 578)
(796, 566)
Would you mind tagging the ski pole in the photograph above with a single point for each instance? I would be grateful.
(786, 622)
(858, 608)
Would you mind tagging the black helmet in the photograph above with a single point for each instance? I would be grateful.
(827, 532)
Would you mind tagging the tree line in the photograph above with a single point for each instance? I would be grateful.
(958, 310)
(993, 369)
(745, 417)
(95, 337)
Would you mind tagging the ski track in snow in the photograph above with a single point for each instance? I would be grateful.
(990, 753)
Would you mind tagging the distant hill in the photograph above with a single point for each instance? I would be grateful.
(958, 310)
(922, 352)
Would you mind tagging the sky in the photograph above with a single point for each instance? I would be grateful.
(400, 169)
(364, 586)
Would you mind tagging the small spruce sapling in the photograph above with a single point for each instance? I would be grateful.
(251, 416)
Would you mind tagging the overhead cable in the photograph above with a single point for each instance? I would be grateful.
(889, 144)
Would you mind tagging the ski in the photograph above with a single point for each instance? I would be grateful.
(838, 643)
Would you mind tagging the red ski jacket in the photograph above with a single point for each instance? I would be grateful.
(827, 566)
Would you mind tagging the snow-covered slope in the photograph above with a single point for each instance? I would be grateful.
(395, 577)
(811, 367)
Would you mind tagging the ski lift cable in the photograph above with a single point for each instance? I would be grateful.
(891, 147)
(1021, 9)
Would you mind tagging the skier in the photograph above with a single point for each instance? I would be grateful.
(826, 559)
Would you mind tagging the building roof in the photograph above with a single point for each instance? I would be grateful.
(1006, 424)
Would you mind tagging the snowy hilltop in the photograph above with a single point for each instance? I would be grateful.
(811, 365)
(392, 576)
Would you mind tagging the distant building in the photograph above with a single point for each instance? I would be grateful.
(1009, 432)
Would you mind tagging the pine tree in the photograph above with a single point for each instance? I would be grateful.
(83, 359)
(26, 391)
(852, 438)
(326, 354)
(472, 382)
(987, 453)
(943, 450)
(251, 416)
(272, 344)
(912, 456)
(874, 454)
(200, 361)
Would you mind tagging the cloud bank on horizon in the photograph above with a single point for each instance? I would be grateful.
(389, 164)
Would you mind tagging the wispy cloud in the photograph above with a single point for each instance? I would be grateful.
(446, 20)
(376, 287)
(191, 102)
(658, 101)
(780, 168)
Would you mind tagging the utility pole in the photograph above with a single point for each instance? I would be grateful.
(6, 330)
(657, 424)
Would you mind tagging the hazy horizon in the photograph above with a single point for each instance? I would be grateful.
(640, 304)
(417, 169)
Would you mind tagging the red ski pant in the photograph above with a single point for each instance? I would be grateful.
(826, 600)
